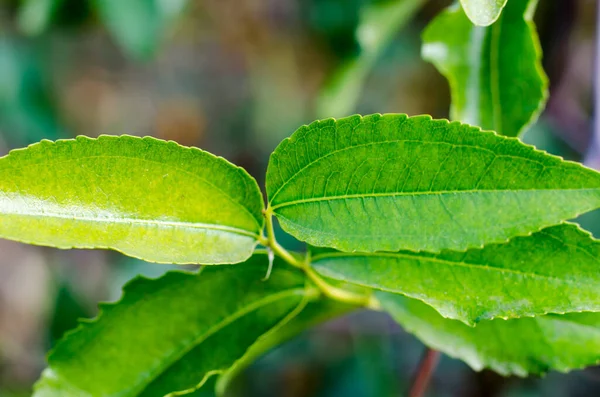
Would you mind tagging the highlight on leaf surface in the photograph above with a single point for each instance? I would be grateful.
(147, 198)
(556, 270)
(484, 12)
(393, 182)
(172, 333)
(495, 73)
(520, 346)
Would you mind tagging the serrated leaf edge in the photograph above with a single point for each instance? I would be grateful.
(241, 232)
(470, 321)
(293, 138)
(480, 365)
(106, 307)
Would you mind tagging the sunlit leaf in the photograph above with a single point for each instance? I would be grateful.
(147, 198)
(484, 12)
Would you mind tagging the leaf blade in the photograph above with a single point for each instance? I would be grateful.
(483, 12)
(556, 270)
(177, 324)
(314, 313)
(392, 182)
(490, 86)
(513, 347)
(147, 198)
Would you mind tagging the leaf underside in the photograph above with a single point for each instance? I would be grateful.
(484, 12)
(510, 347)
(556, 270)
(147, 198)
(495, 73)
(172, 333)
(392, 182)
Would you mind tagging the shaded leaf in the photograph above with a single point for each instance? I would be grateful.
(379, 21)
(510, 347)
(138, 25)
(484, 12)
(314, 313)
(385, 183)
(147, 198)
(35, 15)
(26, 103)
(556, 270)
(495, 73)
(172, 333)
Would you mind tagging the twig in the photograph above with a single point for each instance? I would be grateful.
(424, 371)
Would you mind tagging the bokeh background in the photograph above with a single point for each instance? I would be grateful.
(235, 77)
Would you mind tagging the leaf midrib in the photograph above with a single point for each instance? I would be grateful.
(428, 193)
(170, 165)
(178, 354)
(135, 221)
(423, 142)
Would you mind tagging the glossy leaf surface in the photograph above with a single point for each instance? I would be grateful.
(147, 198)
(520, 346)
(484, 12)
(556, 270)
(495, 73)
(171, 333)
(386, 183)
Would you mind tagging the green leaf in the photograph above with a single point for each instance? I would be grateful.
(139, 25)
(172, 333)
(496, 77)
(485, 12)
(515, 347)
(385, 183)
(35, 15)
(556, 270)
(315, 313)
(379, 21)
(147, 198)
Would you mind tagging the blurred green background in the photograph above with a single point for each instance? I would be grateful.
(235, 77)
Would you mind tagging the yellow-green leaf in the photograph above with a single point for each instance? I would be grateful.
(147, 198)
(484, 12)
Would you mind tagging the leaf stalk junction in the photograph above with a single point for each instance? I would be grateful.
(304, 263)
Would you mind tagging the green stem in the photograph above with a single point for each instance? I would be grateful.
(327, 289)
